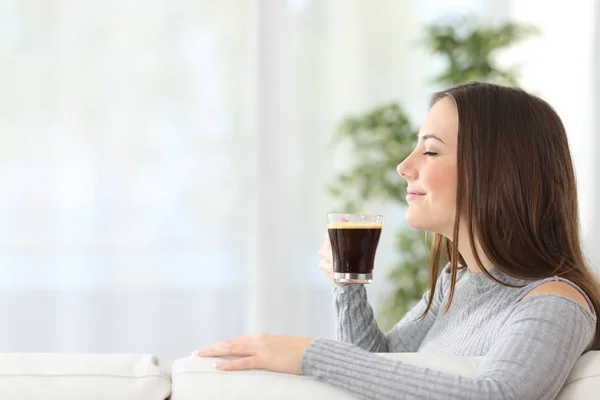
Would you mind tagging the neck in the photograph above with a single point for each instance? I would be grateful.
(467, 253)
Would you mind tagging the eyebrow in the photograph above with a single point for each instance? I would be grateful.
(431, 136)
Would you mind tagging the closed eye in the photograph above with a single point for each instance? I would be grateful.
(430, 154)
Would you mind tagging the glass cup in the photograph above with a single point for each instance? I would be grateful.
(354, 239)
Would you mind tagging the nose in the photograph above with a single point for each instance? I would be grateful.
(405, 170)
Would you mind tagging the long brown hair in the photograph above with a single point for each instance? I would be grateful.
(516, 187)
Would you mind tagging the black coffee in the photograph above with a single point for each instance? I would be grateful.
(354, 246)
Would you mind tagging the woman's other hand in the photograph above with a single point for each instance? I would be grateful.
(268, 352)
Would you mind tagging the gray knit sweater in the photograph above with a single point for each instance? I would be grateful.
(529, 345)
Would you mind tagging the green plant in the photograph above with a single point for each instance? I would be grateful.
(384, 136)
(469, 50)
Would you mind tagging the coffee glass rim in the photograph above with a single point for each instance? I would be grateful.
(358, 214)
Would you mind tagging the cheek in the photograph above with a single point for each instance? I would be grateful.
(440, 182)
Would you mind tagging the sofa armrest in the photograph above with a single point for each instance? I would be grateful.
(82, 377)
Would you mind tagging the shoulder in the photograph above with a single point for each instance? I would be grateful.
(561, 288)
(556, 307)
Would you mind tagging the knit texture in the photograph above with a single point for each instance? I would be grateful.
(529, 344)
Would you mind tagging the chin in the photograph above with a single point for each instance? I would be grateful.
(423, 224)
(415, 222)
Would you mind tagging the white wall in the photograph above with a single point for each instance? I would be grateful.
(561, 65)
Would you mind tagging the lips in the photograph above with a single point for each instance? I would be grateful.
(413, 194)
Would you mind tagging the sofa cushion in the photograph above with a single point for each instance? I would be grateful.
(196, 378)
(82, 377)
(584, 380)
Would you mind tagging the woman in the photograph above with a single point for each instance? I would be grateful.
(492, 177)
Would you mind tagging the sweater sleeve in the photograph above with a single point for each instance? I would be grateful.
(356, 323)
(531, 359)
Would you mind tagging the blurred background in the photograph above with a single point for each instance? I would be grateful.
(166, 166)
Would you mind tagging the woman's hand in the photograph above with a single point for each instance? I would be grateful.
(272, 353)
(326, 257)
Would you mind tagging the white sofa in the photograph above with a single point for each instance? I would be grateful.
(139, 377)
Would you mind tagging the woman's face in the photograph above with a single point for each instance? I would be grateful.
(431, 171)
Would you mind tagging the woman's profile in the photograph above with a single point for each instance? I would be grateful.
(492, 178)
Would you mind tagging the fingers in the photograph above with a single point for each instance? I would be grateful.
(326, 241)
(240, 364)
(325, 251)
(325, 255)
(239, 347)
(329, 274)
(326, 266)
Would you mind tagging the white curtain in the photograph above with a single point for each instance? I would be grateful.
(163, 164)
